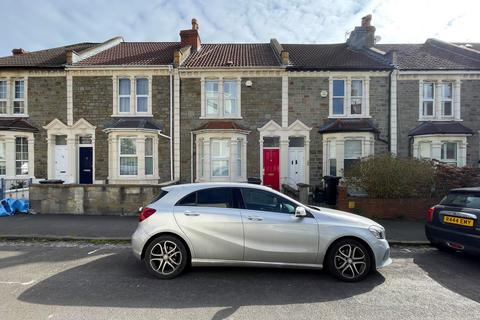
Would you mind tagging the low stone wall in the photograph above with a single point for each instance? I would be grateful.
(108, 199)
(411, 208)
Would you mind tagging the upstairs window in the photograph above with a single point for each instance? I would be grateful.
(338, 99)
(19, 97)
(141, 95)
(349, 98)
(428, 99)
(124, 95)
(221, 98)
(447, 99)
(3, 96)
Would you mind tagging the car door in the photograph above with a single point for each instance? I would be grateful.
(213, 223)
(273, 233)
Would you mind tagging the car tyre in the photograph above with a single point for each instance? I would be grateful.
(166, 257)
(349, 260)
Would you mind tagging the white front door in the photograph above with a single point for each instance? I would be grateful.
(61, 163)
(296, 165)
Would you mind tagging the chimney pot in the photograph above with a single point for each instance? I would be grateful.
(18, 51)
(194, 24)
(366, 21)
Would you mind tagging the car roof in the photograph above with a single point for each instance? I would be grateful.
(205, 185)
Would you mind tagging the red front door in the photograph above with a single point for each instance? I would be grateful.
(271, 168)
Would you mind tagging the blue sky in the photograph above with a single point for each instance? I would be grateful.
(39, 24)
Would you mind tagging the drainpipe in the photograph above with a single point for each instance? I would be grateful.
(191, 156)
(389, 142)
(170, 71)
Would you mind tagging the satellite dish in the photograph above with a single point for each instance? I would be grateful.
(377, 39)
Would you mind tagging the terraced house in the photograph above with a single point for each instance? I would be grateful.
(148, 112)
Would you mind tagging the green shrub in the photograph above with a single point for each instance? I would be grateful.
(388, 177)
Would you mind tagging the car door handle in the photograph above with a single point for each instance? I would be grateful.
(254, 218)
(190, 213)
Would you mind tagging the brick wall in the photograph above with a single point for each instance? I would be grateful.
(47, 100)
(413, 209)
(470, 104)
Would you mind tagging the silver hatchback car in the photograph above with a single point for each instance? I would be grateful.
(236, 224)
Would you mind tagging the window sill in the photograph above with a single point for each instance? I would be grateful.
(439, 119)
(219, 118)
(13, 115)
(349, 117)
(131, 115)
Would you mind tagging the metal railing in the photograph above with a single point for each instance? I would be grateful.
(15, 188)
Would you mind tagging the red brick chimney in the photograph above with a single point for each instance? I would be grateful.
(18, 51)
(191, 37)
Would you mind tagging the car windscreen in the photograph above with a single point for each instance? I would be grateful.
(463, 200)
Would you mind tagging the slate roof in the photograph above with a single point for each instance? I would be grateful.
(134, 53)
(348, 125)
(433, 55)
(49, 58)
(221, 125)
(332, 57)
(16, 124)
(134, 123)
(440, 127)
(233, 55)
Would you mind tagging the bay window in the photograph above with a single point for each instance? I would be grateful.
(449, 152)
(220, 98)
(21, 156)
(332, 157)
(220, 157)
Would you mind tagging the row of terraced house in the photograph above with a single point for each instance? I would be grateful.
(122, 112)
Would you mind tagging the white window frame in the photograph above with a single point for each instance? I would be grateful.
(339, 138)
(347, 97)
(436, 151)
(133, 105)
(432, 100)
(439, 83)
(3, 163)
(238, 158)
(443, 156)
(120, 156)
(220, 98)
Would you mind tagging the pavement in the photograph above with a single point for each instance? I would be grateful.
(98, 227)
(77, 280)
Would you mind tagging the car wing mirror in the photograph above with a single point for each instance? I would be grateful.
(300, 212)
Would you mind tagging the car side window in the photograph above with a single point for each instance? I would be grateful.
(261, 200)
(215, 198)
(190, 200)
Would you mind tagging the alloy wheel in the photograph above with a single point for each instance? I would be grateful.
(165, 257)
(350, 261)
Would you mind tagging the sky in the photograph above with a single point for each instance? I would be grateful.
(40, 24)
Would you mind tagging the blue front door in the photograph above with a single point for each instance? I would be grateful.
(86, 165)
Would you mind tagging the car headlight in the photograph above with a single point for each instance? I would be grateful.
(377, 232)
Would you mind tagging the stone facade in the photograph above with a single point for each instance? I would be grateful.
(161, 112)
(93, 101)
(306, 105)
(408, 115)
(47, 100)
(260, 103)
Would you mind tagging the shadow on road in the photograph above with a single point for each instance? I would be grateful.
(118, 280)
(457, 272)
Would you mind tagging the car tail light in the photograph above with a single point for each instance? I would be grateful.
(430, 214)
(145, 213)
